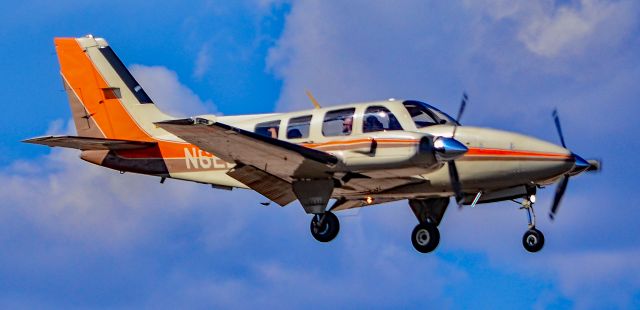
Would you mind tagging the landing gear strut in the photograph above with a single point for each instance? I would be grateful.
(533, 239)
(325, 226)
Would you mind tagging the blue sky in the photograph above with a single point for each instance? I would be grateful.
(75, 235)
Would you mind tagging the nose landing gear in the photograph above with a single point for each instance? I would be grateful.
(533, 239)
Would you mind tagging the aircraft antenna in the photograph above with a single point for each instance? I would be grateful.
(313, 100)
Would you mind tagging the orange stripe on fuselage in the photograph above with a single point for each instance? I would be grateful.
(482, 152)
(356, 141)
(176, 150)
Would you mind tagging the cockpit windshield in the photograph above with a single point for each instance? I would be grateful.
(424, 115)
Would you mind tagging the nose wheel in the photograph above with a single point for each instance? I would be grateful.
(325, 226)
(533, 239)
(425, 237)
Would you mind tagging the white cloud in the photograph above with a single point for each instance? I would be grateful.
(165, 89)
(551, 29)
(599, 278)
(203, 62)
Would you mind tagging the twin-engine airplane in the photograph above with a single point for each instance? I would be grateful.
(360, 154)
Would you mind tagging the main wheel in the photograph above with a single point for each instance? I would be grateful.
(425, 237)
(325, 227)
(533, 240)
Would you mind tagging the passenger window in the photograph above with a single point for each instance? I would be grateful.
(338, 122)
(268, 129)
(377, 118)
(299, 127)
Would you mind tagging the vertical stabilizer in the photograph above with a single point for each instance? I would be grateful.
(106, 100)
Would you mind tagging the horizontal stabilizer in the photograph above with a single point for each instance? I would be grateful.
(88, 143)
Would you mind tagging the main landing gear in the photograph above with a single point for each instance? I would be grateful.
(425, 237)
(533, 239)
(325, 226)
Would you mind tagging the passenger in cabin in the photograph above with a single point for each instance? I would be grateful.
(347, 125)
(372, 123)
(273, 132)
(294, 134)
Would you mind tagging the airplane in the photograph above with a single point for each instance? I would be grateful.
(329, 159)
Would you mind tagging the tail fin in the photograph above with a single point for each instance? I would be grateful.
(106, 100)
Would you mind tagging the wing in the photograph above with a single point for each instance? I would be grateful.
(275, 157)
(87, 143)
(346, 204)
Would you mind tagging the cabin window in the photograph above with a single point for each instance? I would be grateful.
(338, 122)
(420, 114)
(299, 127)
(377, 118)
(268, 129)
(425, 115)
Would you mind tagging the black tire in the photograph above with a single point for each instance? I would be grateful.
(533, 240)
(425, 237)
(329, 228)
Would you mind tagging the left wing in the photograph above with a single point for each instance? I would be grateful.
(273, 156)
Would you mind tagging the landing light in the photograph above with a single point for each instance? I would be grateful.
(532, 198)
(369, 200)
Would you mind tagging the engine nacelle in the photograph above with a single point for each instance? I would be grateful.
(392, 154)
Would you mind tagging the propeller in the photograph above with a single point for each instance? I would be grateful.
(453, 170)
(564, 181)
(580, 166)
(556, 119)
(463, 105)
(559, 193)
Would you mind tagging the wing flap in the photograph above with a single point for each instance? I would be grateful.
(270, 186)
(88, 143)
(233, 144)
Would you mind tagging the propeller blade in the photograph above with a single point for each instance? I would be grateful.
(556, 119)
(455, 182)
(463, 105)
(558, 197)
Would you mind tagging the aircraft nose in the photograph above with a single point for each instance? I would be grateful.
(542, 160)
